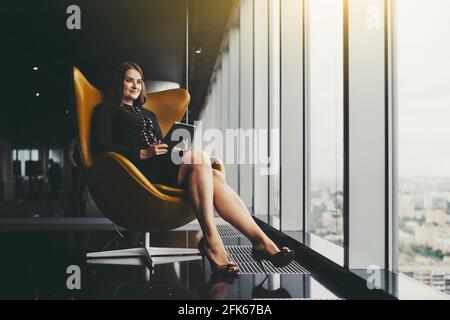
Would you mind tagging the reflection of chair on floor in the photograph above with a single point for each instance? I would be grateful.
(120, 190)
(167, 282)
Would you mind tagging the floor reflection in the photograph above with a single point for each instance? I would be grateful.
(265, 291)
(47, 208)
(35, 267)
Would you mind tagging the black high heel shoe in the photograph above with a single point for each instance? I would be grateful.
(229, 269)
(279, 259)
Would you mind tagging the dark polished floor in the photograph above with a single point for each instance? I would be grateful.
(40, 264)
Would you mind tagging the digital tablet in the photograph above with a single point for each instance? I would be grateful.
(179, 137)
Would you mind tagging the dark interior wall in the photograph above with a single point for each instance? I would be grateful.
(150, 32)
(35, 34)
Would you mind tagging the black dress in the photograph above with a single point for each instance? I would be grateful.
(126, 130)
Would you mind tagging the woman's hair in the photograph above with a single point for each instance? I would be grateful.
(115, 94)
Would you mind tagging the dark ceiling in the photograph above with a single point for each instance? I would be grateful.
(149, 32)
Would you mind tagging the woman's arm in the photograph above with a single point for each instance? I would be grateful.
(158, 130)
(102, 134)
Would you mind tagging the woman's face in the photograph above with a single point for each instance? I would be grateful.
(132, 85)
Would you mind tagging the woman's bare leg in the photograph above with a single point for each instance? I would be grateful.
(233, 210)
(196, 175)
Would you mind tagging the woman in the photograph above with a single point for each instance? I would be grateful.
(123, 126)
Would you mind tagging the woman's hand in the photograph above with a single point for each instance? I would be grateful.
(153, 150)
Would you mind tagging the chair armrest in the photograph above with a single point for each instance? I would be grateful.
(108, 166)
(129, 199)
(173, 191)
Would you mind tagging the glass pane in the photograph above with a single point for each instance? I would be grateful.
(423, 93)
(57, 155)
(23, 155)
(14, 169)
(34, 154)
(274, 116)
(261, 105)
(325, 96)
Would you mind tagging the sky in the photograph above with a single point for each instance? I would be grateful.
(424, 87)
(326, 87)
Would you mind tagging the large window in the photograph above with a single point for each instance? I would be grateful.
(57, 155)
(20, 157)
(261, 102)
(274, 112)
(325, 113)
(422, 90)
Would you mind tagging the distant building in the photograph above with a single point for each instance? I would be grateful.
(437, 278)
(442, 242)
(439, 203)
(436, 237)
(424, 235)
(430, 227)
(405, 237)
(435, 216)
(447, 285)
(407, 208)
(419, 203)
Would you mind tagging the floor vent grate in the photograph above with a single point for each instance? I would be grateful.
(227, 231)
(242, 255)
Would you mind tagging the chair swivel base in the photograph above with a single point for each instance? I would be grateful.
(152, 255)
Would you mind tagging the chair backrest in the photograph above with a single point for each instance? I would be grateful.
(169, 106)
(86, 98)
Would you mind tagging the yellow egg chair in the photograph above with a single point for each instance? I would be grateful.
(121, 192)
